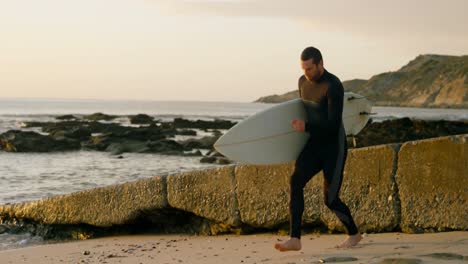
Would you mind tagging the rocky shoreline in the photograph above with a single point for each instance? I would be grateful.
(98, 132)
(405, 129)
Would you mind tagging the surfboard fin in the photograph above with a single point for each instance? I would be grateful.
(352, 138)
(355, 98)
(366, 113)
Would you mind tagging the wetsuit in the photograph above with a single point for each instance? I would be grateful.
(325, 150)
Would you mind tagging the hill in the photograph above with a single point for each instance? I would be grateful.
(426, 81)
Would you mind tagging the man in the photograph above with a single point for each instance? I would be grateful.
(326, 149)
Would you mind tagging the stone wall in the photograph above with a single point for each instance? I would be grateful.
(415, 186)
(432, 178)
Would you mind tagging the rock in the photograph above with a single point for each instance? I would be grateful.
(445, 256)
(400, 261)
(82, 133)
(3, 229)
(208, 160)
(223, 161)
(71, 126)
(214, 153)
(148, 140)
(27, 141)
(201, 124)
(186, 132)
(70, 131)
(405, 129)
(151, 133)
(432, 184)
(79, 133)
(129, 146)
(215, 157)
(337, 259)
(166, 147)
(217, 133)
(193, 153)
(141, 119)
(66, 117)
(202, 143)
(375, 133)
(99, 116)
(51, 127)
(97, 142)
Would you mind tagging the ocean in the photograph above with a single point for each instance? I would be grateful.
(30, 176)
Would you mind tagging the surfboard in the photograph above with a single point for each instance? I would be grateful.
(267, 137)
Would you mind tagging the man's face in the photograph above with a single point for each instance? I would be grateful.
(311, 70)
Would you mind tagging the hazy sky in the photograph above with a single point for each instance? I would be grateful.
(211, 50)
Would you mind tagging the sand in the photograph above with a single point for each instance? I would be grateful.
(375, 248)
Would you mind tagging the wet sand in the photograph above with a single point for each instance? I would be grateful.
(375, 248)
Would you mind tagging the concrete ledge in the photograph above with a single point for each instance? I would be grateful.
(433, 184)
(113, 205)
(263, 195)
(208, 193)
(369, 190)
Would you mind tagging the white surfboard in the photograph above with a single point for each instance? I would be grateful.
(268, 138)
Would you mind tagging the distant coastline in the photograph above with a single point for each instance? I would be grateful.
(428, 81)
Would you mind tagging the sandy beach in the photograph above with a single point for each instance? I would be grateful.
(448, 247)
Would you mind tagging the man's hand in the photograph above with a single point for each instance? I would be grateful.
(298, 125)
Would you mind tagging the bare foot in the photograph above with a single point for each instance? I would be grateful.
(291, 244)
(350, 241)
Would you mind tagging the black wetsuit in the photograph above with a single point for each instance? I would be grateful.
(325, 150)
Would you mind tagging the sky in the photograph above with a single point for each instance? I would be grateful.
(210, 50)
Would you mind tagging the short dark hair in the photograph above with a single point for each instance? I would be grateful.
(311, 53)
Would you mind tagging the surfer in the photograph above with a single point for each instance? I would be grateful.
(326, 149)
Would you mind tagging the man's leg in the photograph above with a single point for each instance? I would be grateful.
(334, 162)
(307, 165)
